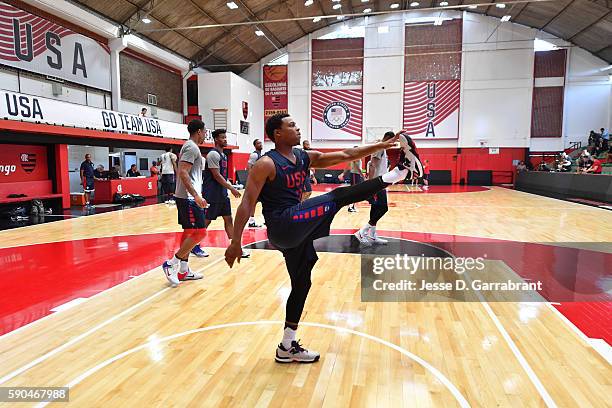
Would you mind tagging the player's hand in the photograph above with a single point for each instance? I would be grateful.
(236, 193)
(200, 202)
(389, 144)
(233, 253)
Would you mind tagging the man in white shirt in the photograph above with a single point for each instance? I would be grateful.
(168, 171)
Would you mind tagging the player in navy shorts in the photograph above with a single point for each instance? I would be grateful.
(277, 180)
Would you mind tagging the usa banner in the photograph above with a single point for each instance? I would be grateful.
(337, 89)
(35, 44)
(275, 90)
(431, 109)
(432, 81)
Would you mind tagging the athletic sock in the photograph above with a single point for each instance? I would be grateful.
(394, 176)
(174, 260)
(372, 230)
(184, 267)
(288, 337)
(252, 220)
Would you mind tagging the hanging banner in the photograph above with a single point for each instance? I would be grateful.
(432, 79)
(35, 44)
(337, 114)
(337, 89)
(276, 99)
(14, 106)
(431, 109)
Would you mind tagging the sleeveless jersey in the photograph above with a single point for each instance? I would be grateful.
(286, 189)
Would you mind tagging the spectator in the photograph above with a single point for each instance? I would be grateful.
(154, 170)
(605, 136)
(133, 171)
(168, 170)
(87, 179)
(113, 173)
(426, 175)
(584, 162)
(595, 167)
(143, 113)
(565, 163)
(521, 167)
(529, 164)
(99, 172)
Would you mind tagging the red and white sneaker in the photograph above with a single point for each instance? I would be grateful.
(409, 156)
(190, 275)
(295, 353)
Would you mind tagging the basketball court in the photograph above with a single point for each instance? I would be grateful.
(87, 312)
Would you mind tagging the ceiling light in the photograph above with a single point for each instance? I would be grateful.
(364, 1)
(444, 3)
(259, 33)
(232, 5)
(415, 4)
(146, 20)
(394, 5)
(500, 5)
(609, 67)
(308, 3)
(337, 6)
(473, 6)
(438, 21)
(368, 10)
(316, 19)
(339, 17)
(383, 29)
(506, 18)
(336, 1)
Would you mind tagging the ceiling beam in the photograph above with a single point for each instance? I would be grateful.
(201, 47)
(217, 43)
(268, 34)
(234, 37)
(297, 21)
(590, 26)
(134, 18)
(557, 15)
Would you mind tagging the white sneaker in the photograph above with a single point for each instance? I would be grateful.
(245, 253)
(377, 240)
(254, 224)
(295, 353)
(191, 275)
(171, 273)
(363, 239)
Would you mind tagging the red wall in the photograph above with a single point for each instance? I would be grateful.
(443, 159)
(23, 163)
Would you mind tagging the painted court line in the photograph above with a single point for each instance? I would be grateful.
(70, 304)
(435, 372)
(80, 337)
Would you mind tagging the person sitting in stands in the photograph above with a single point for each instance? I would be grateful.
(133, 171)
(595, 167)
(521, 167)
(565, 163)
(99, 172)
(584, 162)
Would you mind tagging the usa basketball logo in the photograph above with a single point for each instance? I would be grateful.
(336, 115)
(28, 162)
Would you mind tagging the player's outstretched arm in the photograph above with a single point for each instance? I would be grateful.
(321, 160)
(262, 171)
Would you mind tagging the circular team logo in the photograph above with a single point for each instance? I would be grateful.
(336, 115)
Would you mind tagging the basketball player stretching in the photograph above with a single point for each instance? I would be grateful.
(277, 181)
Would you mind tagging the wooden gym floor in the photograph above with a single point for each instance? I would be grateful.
(211, 342)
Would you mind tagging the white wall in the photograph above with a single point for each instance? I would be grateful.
(496, 86)
(134, 108)
(225, 90)
(151, 155)
(9, 80)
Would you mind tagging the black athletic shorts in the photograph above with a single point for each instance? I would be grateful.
(379, 198)
(190, 216)
(221, 209)
(306, 221)
(168, 183)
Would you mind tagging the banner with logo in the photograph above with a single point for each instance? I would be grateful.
(15, 106)
(337, 89)
(23, 163)
(431, 109)
(432, 79)
(276, 99)
(35, 44)
(337, 114)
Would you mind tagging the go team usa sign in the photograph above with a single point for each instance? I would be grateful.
(38, 45)
(28, 108)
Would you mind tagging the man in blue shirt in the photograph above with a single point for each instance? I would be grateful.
(605, 135)
(87, 178)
